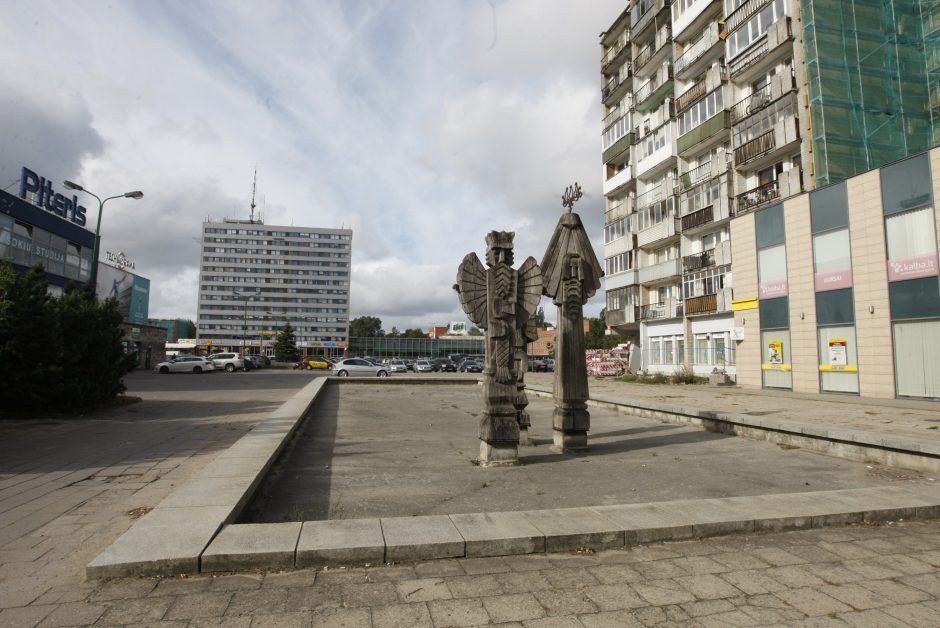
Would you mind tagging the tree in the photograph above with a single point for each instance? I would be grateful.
(64, 354)
(413, 333)
(597, 337)
(365, 327)
(285, 344)
(394, 333)
(475, 331)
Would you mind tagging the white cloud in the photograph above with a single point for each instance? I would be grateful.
(421, 126)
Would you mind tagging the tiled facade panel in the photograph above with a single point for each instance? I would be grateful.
(799, 245)
(744, 247)
(870, 276)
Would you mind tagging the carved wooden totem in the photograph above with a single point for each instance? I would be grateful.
(499, 300)
(524, 335)
(570, 275)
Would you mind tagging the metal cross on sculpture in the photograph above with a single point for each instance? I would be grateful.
(571, 196)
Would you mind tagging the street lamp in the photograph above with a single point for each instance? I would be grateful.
(247, 297)
(137, 194)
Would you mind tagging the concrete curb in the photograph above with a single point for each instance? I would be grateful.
(172, 537)
(359, 541)
(850, 444)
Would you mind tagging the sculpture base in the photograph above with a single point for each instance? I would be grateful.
(524, 439)
(498, 455)
(569, 441)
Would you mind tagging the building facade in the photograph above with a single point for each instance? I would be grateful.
(715, 109)
(837, 290)
(253, 278)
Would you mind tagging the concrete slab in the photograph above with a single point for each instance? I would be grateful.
(340, 542)
(164, 541)
(226, 466)
(647, 523)
(571, 528)
(498, 534)
(225, 491)
(421, 538)
(252, 546)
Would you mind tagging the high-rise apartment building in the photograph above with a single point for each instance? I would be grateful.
(717, 108)
(255, 277)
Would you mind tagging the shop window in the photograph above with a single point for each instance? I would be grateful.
(838, 359)
(915, 298)
(829, 208)
(906, 185)
(776, 362)
(772, 272)
(774, 313)
(917, 358)
(834, 307)
(769, 226)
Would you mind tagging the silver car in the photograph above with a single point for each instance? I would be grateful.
(423, 366)
(358, 367)
(185, 364)
(398, 366)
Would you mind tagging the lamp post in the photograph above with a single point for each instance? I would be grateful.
(247, 297)
(137, 194)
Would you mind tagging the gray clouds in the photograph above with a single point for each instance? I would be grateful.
(415, 124)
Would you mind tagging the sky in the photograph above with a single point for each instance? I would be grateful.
(420, 125)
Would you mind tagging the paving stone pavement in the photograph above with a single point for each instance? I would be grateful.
(69, 488)
(868, 575)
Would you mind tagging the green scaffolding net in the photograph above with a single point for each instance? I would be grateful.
(873, 70)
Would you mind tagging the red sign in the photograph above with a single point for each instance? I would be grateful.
(833, 280)
(912, 267)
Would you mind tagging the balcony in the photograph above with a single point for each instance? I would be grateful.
(747, 66)
(696, 56)
(755, 197)
(662, 230)
(697, 261)
(706, 304)
(657, 273)
(622, 279)
(617, 86)
(758, 147)
(743, 12)
(617, 138)
(651, 93)
(698, 218)
(691, 95)
(643, 13)
(694, 138)
(763, 98)
(655, 51)
(670, 308)
(618, 211)
(693, 177)
(615, 54)
(629, 315)
(619, 180)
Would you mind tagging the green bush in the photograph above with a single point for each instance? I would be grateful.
(63, 354)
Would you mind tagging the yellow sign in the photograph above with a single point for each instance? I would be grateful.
(209, 341)
(777, 367)
(848, 368)
(744, 304)
(775, 352)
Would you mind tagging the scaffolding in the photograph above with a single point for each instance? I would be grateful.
(872, 68)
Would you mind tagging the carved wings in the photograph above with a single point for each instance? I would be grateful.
(529, 290)
(471, 286)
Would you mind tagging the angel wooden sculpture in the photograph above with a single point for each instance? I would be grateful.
(570, 275)
(499, 300)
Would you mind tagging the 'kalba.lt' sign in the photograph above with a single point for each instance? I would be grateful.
(49, 200)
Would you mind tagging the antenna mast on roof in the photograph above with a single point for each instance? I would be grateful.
(254, 185)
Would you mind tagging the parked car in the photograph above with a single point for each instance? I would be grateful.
(359, 367)
(410, 365)
(423, 366)
(185, 364)
(470, 366)
(444, 365)
(260, 361)
(397, 366)
(540, 365)
(313, 362)
(228, 361)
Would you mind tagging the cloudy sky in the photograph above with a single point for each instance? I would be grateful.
(421, 125)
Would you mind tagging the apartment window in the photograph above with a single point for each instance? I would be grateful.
(614, 231)
(622, 298)
(755, 28)
(756, 125)
(655, 213)
(701, 111)
(704, 282)
(653, 142)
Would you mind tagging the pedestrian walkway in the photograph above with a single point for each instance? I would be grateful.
(88, 480)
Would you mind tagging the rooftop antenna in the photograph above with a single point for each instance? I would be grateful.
(254, 185)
